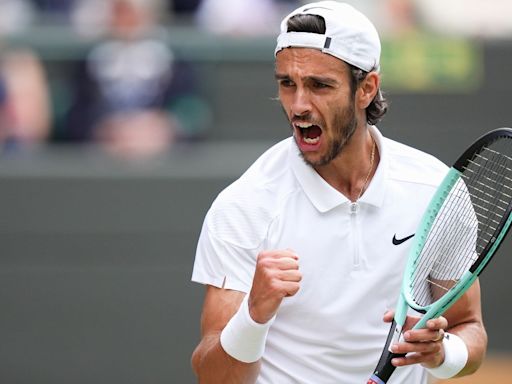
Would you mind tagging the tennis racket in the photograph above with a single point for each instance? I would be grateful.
(462, 227)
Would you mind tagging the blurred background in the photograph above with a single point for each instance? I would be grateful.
(120, 121)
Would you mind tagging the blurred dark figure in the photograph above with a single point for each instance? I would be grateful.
(63, 7)
(183, 7)
(54, 12)
(131, 92)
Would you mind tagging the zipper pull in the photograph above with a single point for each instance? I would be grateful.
(354, 208)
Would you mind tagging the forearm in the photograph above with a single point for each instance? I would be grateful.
(475, 338)
(213, 365)
(465, 321)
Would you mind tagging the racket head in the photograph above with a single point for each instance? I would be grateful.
(463, 226)
(441, 232)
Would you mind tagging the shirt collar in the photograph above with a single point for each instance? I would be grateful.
(323, 196)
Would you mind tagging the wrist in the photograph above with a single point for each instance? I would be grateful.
(455, 357)
(243, 338)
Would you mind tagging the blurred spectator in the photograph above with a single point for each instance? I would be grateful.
(475, 18)
(3, 107)
(242, 17)
(52, 11)
(15, 16)
(121, 134)
(183, 8)
(132, 95)
(399, 17)
(54, 6)
(127, 19)
(25, 101)
(468, 18)
(92, 18)
(392, 18)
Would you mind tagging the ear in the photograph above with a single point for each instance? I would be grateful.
(367, 90)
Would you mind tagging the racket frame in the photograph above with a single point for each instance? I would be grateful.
(468, 278)
(437, 308)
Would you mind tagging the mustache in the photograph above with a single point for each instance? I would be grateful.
(305, 119)
(308, 118)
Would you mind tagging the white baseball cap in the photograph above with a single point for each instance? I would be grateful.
(349, 35)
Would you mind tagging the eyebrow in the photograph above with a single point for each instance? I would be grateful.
(280, 76)
(319, 79)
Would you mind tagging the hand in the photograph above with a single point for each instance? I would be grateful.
(423, 346)
(277, 276)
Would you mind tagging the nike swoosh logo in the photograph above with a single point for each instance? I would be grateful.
(400, 241)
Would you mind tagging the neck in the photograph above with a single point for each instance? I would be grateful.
(351, 172)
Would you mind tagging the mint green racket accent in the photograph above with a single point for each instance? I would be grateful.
(436, 309)
(423, 230)
(401, 310)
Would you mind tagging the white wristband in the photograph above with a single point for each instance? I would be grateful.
(455, 357)
(242, 337)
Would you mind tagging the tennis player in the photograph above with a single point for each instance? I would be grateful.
(302, 257)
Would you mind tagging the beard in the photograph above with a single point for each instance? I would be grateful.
(344, 125)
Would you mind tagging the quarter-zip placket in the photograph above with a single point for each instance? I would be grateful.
(354, 229)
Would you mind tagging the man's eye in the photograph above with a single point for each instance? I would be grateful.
(286, 83)
(320, 85)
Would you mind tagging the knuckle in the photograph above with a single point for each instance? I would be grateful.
(294, 289)
(437, 348)
(275, 286)
(267, 254)
(265, 276)
(266, 263)
(262, 255)
(260, 260)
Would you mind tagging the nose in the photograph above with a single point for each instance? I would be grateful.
(301, 103)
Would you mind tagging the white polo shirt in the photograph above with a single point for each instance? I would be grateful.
(331, 331)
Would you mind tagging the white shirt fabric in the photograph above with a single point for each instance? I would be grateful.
(331, 331)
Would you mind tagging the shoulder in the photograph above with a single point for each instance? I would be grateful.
(242, 212)
(408, 164)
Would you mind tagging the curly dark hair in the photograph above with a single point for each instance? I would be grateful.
(316, 24)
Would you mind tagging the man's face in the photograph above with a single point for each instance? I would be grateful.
(314, 90)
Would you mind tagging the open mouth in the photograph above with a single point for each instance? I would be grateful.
(310, 133)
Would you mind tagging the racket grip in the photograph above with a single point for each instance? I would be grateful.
(384, 368)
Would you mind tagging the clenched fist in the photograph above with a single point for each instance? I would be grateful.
(277, 276)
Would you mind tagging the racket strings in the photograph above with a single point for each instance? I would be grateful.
(491, 191)
(437, 273)
(466, 223)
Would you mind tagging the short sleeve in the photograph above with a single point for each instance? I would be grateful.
(234, 231)
(222, 264)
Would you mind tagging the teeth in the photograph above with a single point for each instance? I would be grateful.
(304, 125)
(311, 141)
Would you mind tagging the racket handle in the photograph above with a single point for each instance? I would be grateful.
(384, 368)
